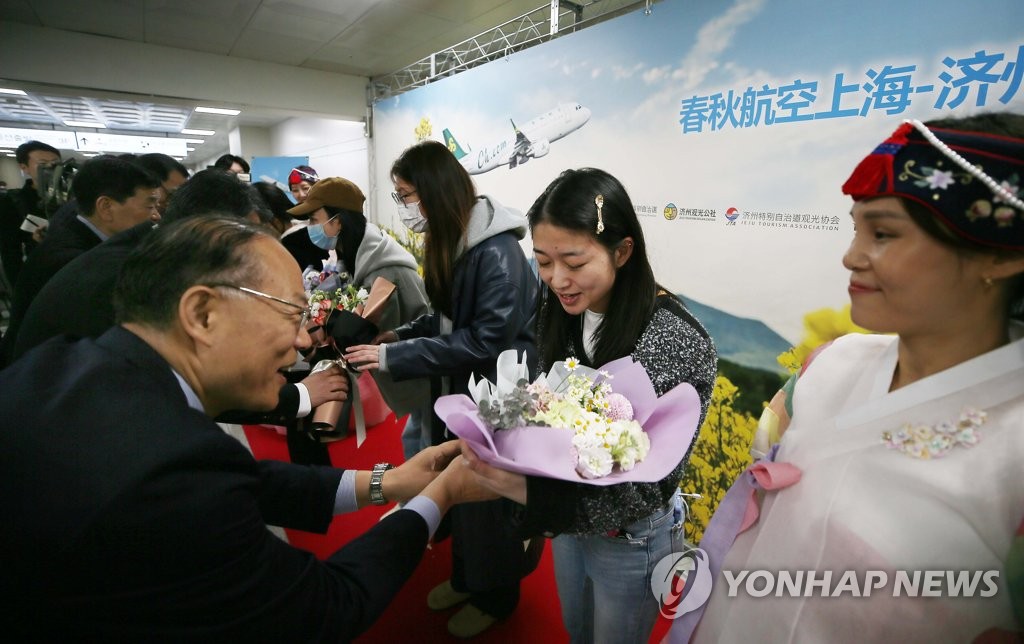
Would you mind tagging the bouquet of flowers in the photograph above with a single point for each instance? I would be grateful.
(345, 298)
(345, 315)
(573, 423)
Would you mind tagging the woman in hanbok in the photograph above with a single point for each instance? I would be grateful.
(897, 463)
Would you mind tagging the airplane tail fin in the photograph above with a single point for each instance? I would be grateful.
(453, 145)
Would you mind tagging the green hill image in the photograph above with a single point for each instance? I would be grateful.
(743, 341)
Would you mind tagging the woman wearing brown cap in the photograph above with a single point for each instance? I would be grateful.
(899, 473)
(335, 209)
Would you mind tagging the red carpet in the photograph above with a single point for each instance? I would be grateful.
(536, 620)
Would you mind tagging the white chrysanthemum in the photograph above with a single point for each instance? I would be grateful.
(594, 462)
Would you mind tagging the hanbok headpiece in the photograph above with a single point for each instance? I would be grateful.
(969, 180)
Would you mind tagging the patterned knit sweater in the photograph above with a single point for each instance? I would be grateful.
(674, 348)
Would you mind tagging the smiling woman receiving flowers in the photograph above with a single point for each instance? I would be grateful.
(602, 307)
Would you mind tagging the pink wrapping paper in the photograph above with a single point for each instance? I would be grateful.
(670, 423)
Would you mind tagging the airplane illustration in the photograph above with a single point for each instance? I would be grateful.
(532, 140)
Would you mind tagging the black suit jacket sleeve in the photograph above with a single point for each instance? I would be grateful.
(145, 522)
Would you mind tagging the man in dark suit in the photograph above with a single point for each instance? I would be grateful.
(113, 195)
(132, 517)
(15, 243)
(83, 288)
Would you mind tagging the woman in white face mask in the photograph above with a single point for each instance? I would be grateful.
(483, 295)
(409, 211)
(323, 228)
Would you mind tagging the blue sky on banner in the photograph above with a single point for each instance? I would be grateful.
(635, 72)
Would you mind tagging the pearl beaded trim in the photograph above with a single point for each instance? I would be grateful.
(992, 184)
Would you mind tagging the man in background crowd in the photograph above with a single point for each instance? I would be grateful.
(232, 163)
(15, 204)
(113, 195)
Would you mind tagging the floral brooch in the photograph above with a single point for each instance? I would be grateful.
(934, 441)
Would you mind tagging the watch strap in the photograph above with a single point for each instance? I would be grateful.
(376, 483)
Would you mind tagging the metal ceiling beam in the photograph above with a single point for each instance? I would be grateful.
(532, 28)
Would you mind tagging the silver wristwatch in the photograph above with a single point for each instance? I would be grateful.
(376, 481)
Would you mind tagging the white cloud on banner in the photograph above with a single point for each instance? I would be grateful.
(714, 38)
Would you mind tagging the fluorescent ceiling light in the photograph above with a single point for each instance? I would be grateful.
(90, 154)
(199, 132)
(84, 124)
(11, 154)
(178, 158)
(190, 149)
(218, 110)
(199, 141)
(4, 90)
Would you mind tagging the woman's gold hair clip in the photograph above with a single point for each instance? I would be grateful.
(599, 202)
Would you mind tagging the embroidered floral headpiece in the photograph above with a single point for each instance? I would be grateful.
(969, 180)
(302, 173)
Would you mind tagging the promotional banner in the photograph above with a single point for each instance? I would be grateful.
(732, 125)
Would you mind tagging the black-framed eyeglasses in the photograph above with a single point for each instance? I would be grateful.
(307, 311)
(400, 198)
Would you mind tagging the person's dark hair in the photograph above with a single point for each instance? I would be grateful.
(28, 147)
(210, 249)
(227, 160)
(214, 192)
(162, 165)
(447, 195)
(278, 203)
(353, 228)
(107, 176)
(260, 207)
(998, 123)
(568, 202)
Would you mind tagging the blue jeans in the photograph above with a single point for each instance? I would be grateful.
(604, 583)
(413, 441)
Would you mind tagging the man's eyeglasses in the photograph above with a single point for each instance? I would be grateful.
(307, 311)
(400, 198)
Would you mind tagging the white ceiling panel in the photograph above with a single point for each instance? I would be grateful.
(114, 18)
(274, 47)
(18, 11)
(308, 25)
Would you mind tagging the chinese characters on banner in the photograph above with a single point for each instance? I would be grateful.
(890, 89)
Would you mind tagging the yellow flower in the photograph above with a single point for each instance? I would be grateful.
(821, 326)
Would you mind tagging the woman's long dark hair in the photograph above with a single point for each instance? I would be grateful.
(568, 202)
(446, 196)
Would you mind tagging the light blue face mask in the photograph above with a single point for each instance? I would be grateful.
(320, 238)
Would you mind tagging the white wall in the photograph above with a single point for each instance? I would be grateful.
(10, 172)
(335, 148)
